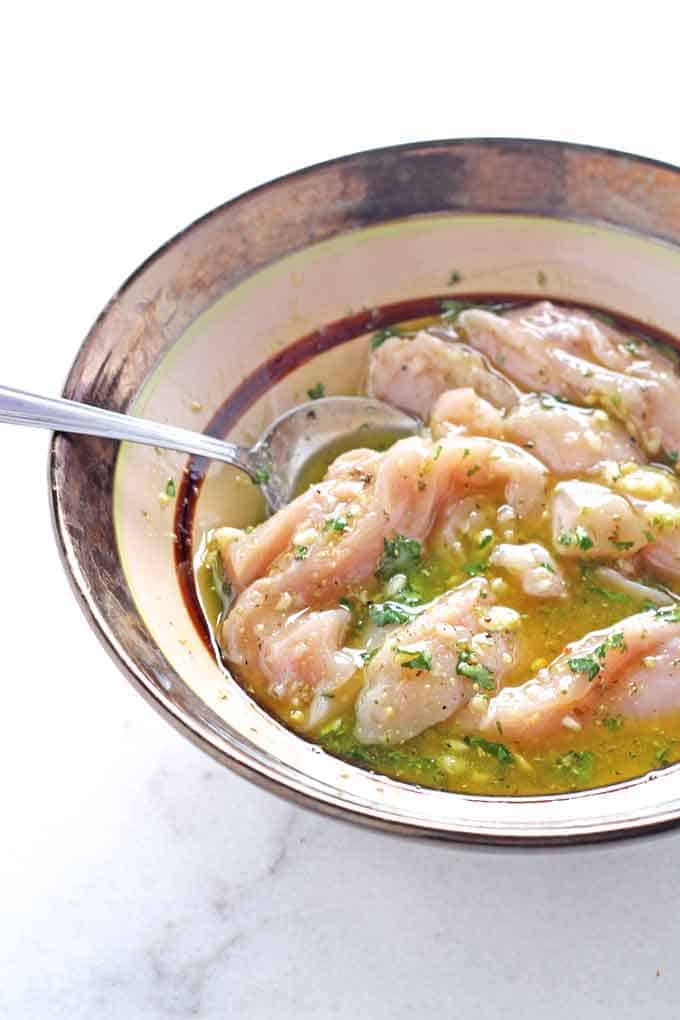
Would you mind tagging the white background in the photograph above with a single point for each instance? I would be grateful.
(137, 879)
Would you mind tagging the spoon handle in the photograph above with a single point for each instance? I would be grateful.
(19, 408)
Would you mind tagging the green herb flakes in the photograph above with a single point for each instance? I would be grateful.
(336, 524)
(383, 614)
(584, 664)
(414, 659)
(475, 671)
(498, 751)
(400, 554)
(579, 764)
(475, 569)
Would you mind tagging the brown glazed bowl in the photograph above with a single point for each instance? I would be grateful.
(254, 303)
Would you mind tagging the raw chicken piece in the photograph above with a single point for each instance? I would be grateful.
(645, 405)
(662, 557)
(463, 410)
(534, 566)
(464, 517)
(569, 353)
(654, 494)
(412, 374)
(582, 334)
(452, 468)
(305, 649)
(343, 493)
(426, 670)
(653, 689)
(519, 351)
(590, 521)
(580, 679)
(568, 439)
(340, 539)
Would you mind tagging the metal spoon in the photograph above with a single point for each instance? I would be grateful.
(274, 463)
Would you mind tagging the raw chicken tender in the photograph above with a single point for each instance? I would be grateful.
(341, 527)
(582, 677)
(413, 373)
(426, 670)
(569, 353)
(652, 689)
(590, 521)
(463, 410)
(568, 439)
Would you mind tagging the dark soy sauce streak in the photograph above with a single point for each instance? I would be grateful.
(280, 365)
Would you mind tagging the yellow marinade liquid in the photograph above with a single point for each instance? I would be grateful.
(606, 750)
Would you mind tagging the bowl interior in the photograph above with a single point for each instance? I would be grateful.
(262, 338)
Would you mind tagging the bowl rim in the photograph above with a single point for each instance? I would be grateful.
(195, 730)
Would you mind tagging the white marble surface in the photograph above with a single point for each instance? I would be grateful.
(138, 880)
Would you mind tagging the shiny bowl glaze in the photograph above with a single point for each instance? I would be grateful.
(234, 319)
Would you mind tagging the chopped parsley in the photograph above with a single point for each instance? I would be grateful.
(578, 763)
(345, 603)
(170, 489)
(485, 537)
(454, 278)
(622, 546)
(475, 569)
(301, 551)
(498, 751)
(451, 308)
(316, 391)
(400, 554)
(336, 524)
(585, 664)
(613, 723)
(579, 537)
(473, 470)
(605, 593)
(371, 654)
(614, 640)
(438, 452)
(541, 278)
(261, 475)
(383, 614)
(418, 660)
(475, 671)
(340, 740)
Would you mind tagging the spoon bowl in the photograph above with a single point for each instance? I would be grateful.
(328, 425)
(277, 460)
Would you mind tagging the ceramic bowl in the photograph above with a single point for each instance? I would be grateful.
(230, 322)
